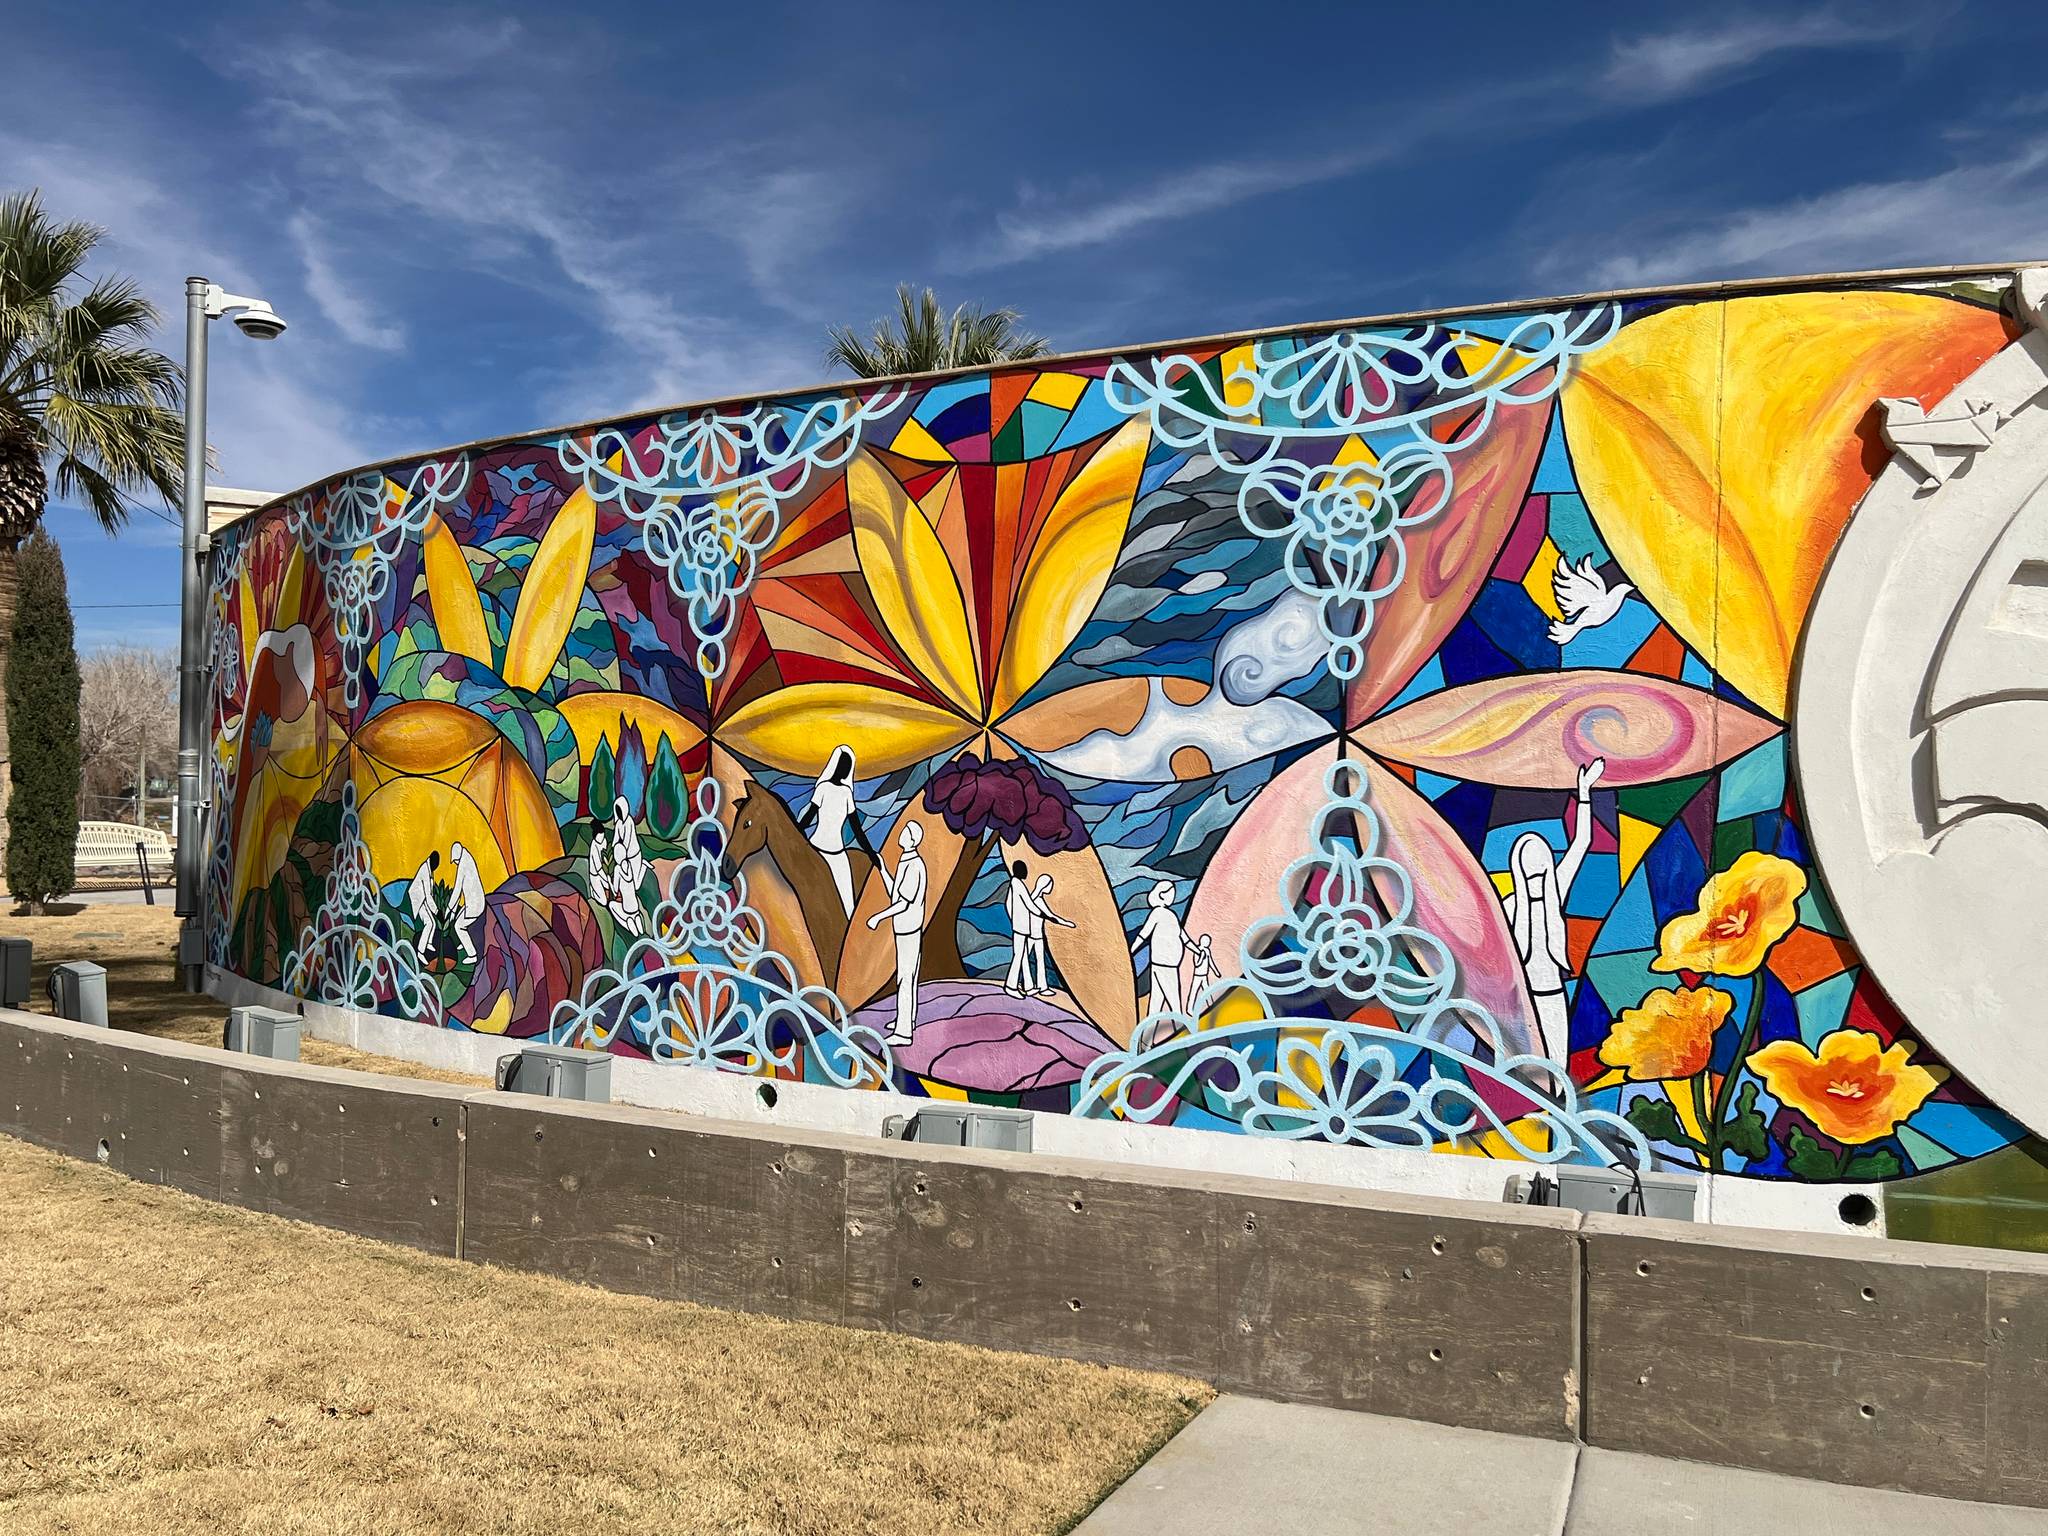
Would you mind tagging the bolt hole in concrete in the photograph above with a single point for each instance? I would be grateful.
(437, 1120)
(1645, 1267)
(776, 1262)
(1073, 1205)
(1642, 1381)
(105, 1151)
(433, 1199)
(766, 1094)
(1407, 1273)
(650, 1239)
(1073, 1303)
(917, 1282)
(540, 1135)
(651, 1152)
(1436, 1354)
(1868, 1410)
(1251, 1223)
(1436, 1245)
(1857, 1210)
(921, 1187)
(1869, 1293)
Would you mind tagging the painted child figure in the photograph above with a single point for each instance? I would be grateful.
(1041, 914)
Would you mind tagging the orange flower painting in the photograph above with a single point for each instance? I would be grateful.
(1743, 911)
(1670, 1034)
(1855, 1088)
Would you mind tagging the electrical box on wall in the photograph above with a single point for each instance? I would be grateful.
(557, 1072)
(1007, 1130)
(262, 1032)
(1671, 1196)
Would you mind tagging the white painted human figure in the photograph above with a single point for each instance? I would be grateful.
(608, 884)
(827, 821)
(906, 916)
(1041, 914)
(629, 867)
(1167, 941)
(1020, 909)
(1205, 973)
(469, 898)
(1540, 884)
(419, 896)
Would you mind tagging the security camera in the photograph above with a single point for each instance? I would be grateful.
(254, 316)
(260, 322)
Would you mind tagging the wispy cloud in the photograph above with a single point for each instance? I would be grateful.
(1044, 225)
(349, 313)
(1662, 66)
(1982, 210)
(437, 152)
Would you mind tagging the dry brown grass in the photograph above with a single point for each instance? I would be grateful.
(138, 945)
(171, 1366)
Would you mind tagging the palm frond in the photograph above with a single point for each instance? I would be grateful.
(923, 338)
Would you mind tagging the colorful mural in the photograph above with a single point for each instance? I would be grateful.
(1371, 735)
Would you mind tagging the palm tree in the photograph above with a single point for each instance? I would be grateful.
(923, 338)
(87, 409)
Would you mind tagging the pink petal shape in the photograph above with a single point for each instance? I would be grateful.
(1455, 901)
(1241, 886)
(1533, 732)
(1450, 555)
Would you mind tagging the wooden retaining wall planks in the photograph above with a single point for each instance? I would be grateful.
(1900, 1365)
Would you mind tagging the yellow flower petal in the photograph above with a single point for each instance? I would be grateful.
(1722, 446)
(1667, 1035)
(913, 584)
(1743, 911)
(550, 593)
(1070, 562)
(452, 594)
(1855, 1088)
(796, 728)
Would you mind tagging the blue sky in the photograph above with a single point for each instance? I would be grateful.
(480, 220)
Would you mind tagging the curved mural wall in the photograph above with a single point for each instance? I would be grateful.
(1375, 735)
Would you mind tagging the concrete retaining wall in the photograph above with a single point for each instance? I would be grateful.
(1884, 1363)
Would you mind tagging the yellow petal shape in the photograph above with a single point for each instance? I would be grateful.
(593, 716)
(1070, 562)
(550, 594)
(797, 728)
(425, 736)
(1722, 446)
(409, 818)
(451, 592)
(912, 582)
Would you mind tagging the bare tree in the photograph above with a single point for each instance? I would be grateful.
(128, 731)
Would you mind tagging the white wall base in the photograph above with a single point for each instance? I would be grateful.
(724, 1096)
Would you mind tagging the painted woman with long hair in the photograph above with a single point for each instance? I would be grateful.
(828, 819)
(1535, 901)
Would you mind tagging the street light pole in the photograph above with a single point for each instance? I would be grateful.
(192, 637)
(255, 318)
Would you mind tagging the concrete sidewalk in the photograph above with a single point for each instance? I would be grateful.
(1248, 1465)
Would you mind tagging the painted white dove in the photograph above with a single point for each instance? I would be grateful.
(1584, 598)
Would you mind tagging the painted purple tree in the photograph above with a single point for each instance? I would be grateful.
(1008, 802)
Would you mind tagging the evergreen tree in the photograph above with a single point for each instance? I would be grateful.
(601, 783)
(42, 729)
(667, 798)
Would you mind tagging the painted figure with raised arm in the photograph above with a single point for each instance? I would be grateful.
(1535, 901)
(1041, 914)
(419, 896)
(906, 916)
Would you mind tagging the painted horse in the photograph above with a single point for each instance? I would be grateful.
(794, 894)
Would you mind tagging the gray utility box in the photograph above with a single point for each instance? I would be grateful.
(263, 1032)
(558, 1072)
(15, 955)
(1611, 1191)
(78, 992)
(965, 1125)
